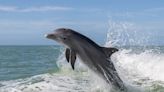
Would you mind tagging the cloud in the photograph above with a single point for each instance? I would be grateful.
(149, 12)
(8, 8)
(158, 9)
(33, 9)
(23, 26)
(40, 27)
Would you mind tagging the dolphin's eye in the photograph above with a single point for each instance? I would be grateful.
(63, 37)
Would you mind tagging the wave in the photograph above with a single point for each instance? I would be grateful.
(139, 64)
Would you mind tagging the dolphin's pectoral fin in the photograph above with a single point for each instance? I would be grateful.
(67, 54)
(73, 59)
(70, 57)
(109, 51)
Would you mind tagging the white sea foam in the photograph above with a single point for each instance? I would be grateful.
(144, 68)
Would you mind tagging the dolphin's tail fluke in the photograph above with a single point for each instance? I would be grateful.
(111, 76)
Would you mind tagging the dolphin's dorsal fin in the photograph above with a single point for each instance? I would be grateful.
(109, 51)
(71, 56)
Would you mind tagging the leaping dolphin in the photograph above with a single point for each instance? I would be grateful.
(97, 58)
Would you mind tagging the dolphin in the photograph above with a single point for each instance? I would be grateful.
(95, 57)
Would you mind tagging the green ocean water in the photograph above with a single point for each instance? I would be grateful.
(25, 61)
(44, 69)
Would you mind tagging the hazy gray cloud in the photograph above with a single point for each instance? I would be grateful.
(33, 9)
(158, 9)
(15, 25)
(152, 12)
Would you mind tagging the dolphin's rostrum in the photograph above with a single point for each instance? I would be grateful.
(97, 58)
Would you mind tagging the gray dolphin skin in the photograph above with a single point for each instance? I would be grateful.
(95, 57)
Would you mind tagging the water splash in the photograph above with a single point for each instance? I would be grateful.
(126, 34)
(138, 64)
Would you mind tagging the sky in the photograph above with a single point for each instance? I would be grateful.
(25, 22)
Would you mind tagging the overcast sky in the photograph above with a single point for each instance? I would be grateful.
(24, 22)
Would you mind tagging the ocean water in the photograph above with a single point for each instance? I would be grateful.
(45, 69)
(23, 61)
